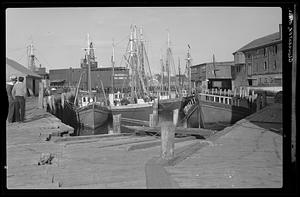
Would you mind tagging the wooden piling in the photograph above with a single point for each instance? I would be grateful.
(53, 104)
(264, 99)
(41, 95)
(49, 103)
(62, 98)
(155, 113)
(151, 121)
(45, 103)
(185, 123)
(258, 103)
(241, 91)
(167, 140)
(175, 116)
(117, 123)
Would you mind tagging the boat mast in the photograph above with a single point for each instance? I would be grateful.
(88, 66)
(113, 67)
(162, 74)
(31, 57)
(179, 77)
(133, 89)
(189, 59)
(168, 64)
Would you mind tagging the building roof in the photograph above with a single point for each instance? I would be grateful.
(225, 63)
(21, 68)
(266, 40)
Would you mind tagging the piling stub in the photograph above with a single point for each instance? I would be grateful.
(41, 95)
(151, 122)
(155, 112)
(167, 140)
(117, 123)
(45, 103)
(258, 100)
(264, 99)
(175, 116)
(53, 104)
(62, 98)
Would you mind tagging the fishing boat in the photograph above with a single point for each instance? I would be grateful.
(139, 106)
(92, 113)
(212, 108)
(169, 98)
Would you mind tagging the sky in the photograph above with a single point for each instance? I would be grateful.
(60, 34)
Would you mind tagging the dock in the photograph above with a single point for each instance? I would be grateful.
(247, 154)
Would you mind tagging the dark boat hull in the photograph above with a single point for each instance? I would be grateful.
(134, 114)
(93, 116)
(217, 113)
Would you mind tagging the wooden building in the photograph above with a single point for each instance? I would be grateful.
(260, 62)
(212, 75)
(32, 79)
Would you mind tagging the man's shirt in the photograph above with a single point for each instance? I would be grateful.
(9, 87)
(19, 89)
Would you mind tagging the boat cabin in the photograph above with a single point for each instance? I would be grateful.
(85, 100)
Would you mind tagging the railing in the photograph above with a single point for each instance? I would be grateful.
(218, 98)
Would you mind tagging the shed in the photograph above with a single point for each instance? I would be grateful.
(32, 79)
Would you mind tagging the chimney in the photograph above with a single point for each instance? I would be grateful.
(280, 31)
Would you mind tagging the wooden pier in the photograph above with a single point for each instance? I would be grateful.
(247, 154)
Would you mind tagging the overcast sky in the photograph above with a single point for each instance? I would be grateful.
(59, 34)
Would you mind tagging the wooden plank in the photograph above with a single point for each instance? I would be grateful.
(157, 143)
(178, 130)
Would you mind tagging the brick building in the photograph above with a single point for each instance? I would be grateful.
(260, 62)
(71, 77)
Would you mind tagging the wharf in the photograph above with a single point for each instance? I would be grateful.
(25, 142)
(245, 155)
(101, 162)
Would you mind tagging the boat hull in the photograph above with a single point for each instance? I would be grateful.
(134, 114)
(217, 113)
(93, 115)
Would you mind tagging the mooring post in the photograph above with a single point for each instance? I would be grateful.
(258, 102)
(151, 121)
(45, 104)
(155, 112)
(175, 116)
(62, 99)
(53, 104)
(117, 123)
(264, 99)
(167, 140)
(49, 103)
(41, 95)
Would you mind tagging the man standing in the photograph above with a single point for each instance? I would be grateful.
(19, 93)
(11, 117)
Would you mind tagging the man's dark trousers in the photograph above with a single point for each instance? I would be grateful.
(11, 110)
(21, 107)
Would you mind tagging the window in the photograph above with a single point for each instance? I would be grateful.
(265, 65)
(265, 52)
(275, 49)
(274, 65)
